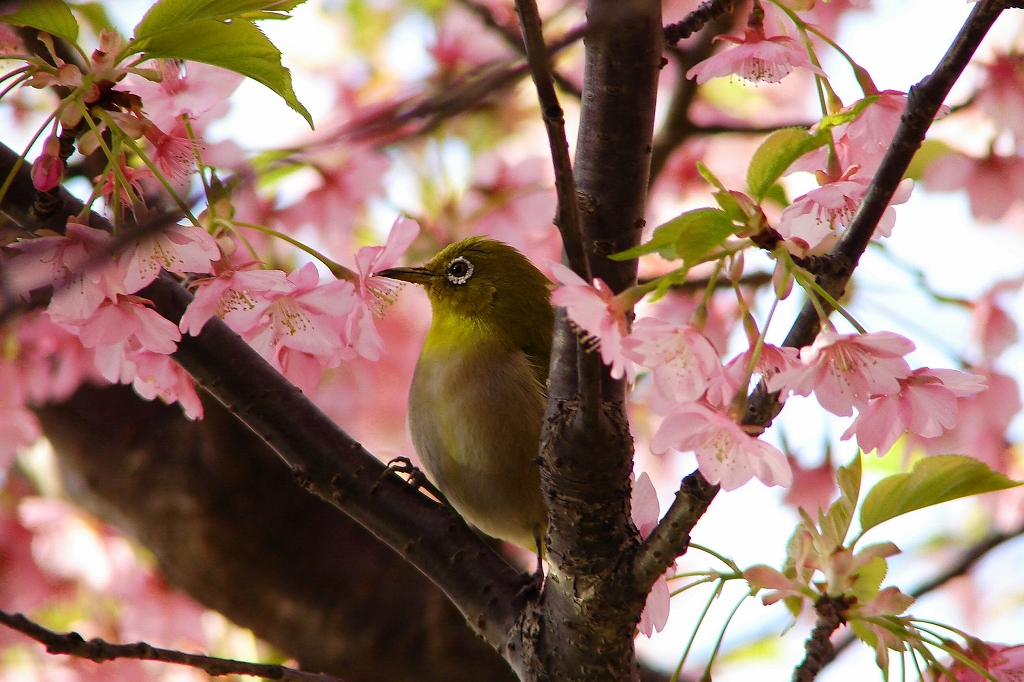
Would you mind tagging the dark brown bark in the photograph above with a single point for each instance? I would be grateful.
(584, 623)
(222, 514)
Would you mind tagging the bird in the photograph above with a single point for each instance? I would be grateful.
(478, 393)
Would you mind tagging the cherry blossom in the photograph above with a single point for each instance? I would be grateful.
(682, 360)
(992, 328)
(52, 361)
(864, 141)
(756, 57)
(119, 328)
(64, 544)
(726, 454)
(845, 370)
(173, 151)
(181, 249)
(299, 329)
(229, 295)
(76, 264)
(10, 43)
(982, 420)
(372, 292)
(813, 488)
(597, 311)
(816, 220)
(1004, 663)
(925, 404)
(461, 44)
(347, 179)
(25, 585)
(645, 512)
(18, 427)
(993, 184)
(133, 176)
(733, 378)
(157, 376)
(1001, 94)
(48, 169)
(200, 92)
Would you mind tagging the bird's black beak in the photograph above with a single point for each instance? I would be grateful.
(414, 275)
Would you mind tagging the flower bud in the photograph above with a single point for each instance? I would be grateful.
(48, 169)
(782, 279)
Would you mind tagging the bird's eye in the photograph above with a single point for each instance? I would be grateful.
(459, 270)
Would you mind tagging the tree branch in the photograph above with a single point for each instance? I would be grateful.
(705, 13)
(831, 614)
(971, 557)
(923, 103)
(514, 40)
(568, 219)
(425, 111)
(323, 458)
(99, 651)
(678, 127)
(586, 449)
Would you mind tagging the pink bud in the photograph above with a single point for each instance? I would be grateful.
(49, 167)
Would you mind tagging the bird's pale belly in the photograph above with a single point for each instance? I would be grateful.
(478, 438)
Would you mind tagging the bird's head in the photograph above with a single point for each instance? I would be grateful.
(483, 281)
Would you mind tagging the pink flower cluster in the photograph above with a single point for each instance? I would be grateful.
(686, 372)
(868, 372)
(99, 325)
(862, 371)
(814, 221)
(992, 180)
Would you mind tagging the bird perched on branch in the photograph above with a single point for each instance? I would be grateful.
(478, 393)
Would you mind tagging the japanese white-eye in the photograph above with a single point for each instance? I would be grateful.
(478, 393)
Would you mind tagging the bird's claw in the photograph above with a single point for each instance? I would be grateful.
(415, 476)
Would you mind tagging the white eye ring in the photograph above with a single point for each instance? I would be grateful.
(456, 277)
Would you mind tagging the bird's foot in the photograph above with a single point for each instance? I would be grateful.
(415, 476)
(533, 583)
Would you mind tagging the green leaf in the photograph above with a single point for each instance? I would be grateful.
(168, 14)
(869, 579)
(933, 480)
(777, 193)
(732, 208)
(710, 177)
(847, 115)
(220, 33)
(929, 151)
(776, 154)
(51, 16)
(95, 16)
(783, 147)
(835, 523)
(689, 236)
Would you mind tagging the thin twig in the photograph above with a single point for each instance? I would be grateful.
(754, 279)
(664, 544)
(324, 459)
(695, 20)
(486, 16)
(568, 220)
(971, 557)
(37, 294)
(923, 103)
(99, 651)
(423, 112)
(818, 647)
